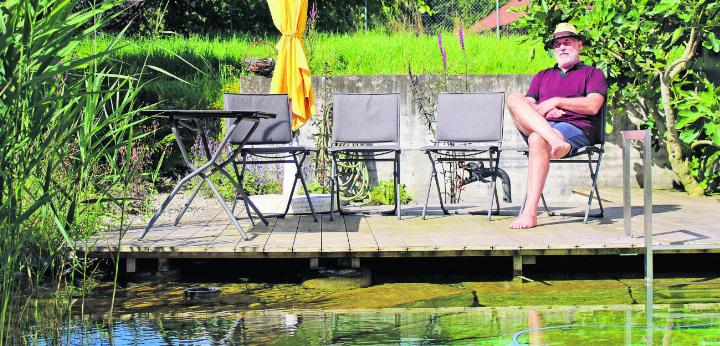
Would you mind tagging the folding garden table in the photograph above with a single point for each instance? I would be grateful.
(245, 123)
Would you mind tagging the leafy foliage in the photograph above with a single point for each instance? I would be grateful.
(698, 105)
(67, 157)
(383, 194)
(216, 17)
(647, 48)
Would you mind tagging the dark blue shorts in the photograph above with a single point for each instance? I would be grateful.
(572, 134)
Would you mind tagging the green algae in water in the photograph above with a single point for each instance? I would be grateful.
(478, 313)
(168, 296)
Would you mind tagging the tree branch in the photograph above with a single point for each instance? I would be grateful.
(703, 142)
(690, 48)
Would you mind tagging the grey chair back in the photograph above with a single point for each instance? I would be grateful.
(470, 117)
(366, 118)
(269, 131)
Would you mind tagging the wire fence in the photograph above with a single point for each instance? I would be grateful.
(428, 16)
(213, 17)
(448, 14)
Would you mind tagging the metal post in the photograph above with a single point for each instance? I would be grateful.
(497, 18)
(644, 136)
(647, 182)
(366, 16)
(627, 205)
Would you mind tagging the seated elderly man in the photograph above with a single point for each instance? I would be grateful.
(558, 114)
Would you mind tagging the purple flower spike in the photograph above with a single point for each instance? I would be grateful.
(462, 38)
(313, 12)
(444, 55)
(442, 52)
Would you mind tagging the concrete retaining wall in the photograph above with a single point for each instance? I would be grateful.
(415, 166)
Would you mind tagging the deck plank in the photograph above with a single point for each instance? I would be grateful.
(309, 235)
(386, 230)
(259, 235)
(360, 237)
(334, 235)
(282, 237)
(677, 220)
(187, 231)
(132, 242)
(462, 232)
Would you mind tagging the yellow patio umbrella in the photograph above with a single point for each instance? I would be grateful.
(292, 72)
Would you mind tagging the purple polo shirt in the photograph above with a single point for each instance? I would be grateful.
(578, 81)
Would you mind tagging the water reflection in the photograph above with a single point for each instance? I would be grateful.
(535, 323)
(571, 312)
(478, 326)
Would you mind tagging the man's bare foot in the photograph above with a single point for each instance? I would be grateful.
(561, 150)
(525, 220)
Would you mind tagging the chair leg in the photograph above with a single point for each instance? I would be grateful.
(427, 194)
(597, 196)
(492, 183)
(522, 206)
(337, 185)
(433, 176)
(437, 185)
(495, 189)
(332, 187)
(597, 191)
(301, 176)
(547, 210)
(398, 202)
(292, 191)
(241, 178)
(542, 198)
(497, 202)
(593, 185)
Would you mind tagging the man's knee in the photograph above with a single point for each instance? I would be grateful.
(515, 99)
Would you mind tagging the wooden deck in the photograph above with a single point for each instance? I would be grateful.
(681, 225)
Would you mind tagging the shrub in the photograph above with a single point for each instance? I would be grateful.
(383, 194)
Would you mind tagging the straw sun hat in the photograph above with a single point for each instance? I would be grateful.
(563, 30)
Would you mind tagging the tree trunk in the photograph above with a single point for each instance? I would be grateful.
(678, 163)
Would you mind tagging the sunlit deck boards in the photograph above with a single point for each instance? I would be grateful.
(693, 223)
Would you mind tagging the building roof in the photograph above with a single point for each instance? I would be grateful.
(506, 17)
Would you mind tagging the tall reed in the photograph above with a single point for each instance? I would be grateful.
(66, 140)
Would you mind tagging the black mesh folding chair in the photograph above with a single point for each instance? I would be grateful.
(366, 127)
(271, 143)
(594, 155)
(469, 126)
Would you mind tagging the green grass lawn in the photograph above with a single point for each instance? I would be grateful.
(380, 54)
(209, 66)
(373, 53)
